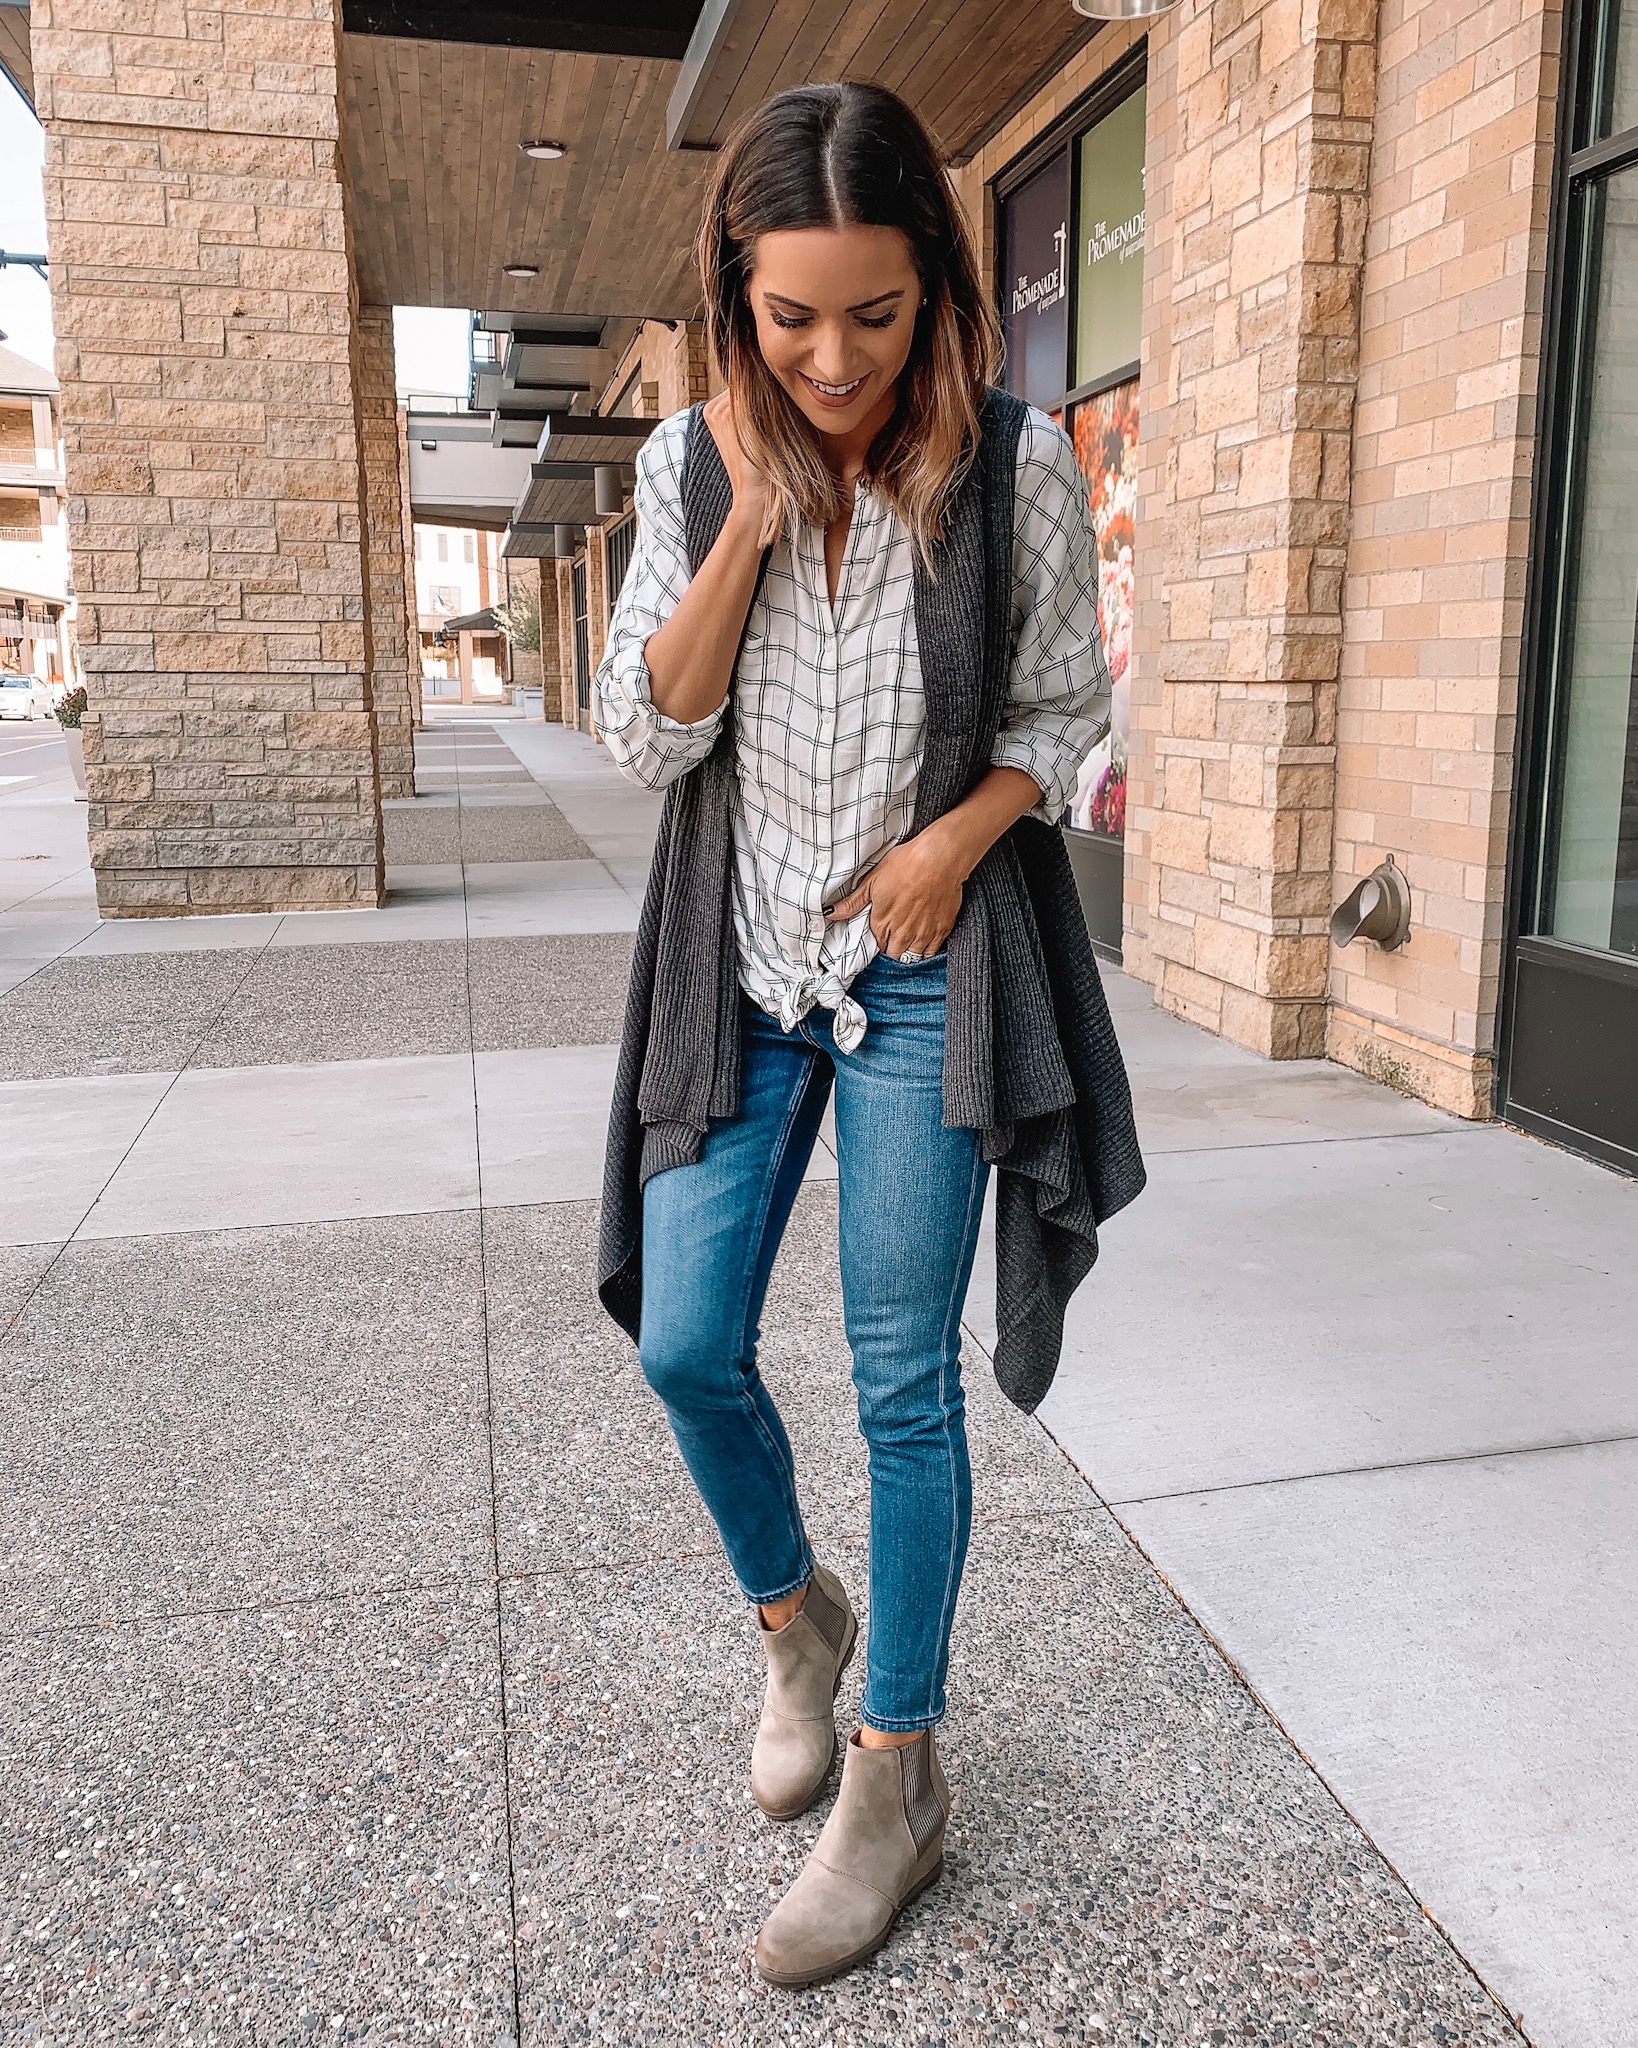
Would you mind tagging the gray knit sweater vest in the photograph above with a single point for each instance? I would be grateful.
(1030, 1057)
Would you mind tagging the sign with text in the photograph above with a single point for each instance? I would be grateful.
(1035, 298)
(1109, 286)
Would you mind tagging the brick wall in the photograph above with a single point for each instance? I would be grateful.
(203, 305)
(1346, 208)
(1266, 222)
(562, 576)
(1436, 569)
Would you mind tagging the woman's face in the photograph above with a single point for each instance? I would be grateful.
(835, 315)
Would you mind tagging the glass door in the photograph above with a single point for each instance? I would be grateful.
(1571, 1069)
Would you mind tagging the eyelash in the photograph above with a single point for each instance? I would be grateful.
(872, 320)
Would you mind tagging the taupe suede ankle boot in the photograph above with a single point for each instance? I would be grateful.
(882, 1846)
(796, 1738)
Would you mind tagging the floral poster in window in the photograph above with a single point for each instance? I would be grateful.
(1105, 431)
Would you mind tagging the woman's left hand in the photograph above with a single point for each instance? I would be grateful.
(914, 890)
(914, 894)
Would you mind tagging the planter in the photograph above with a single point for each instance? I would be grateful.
(75, 744)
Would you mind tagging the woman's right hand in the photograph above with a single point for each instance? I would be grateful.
(691, 657)
(753, 501)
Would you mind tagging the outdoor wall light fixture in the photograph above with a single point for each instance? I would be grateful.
(548, 152)
(523, 270)
(1122, 10)
(1379, 909)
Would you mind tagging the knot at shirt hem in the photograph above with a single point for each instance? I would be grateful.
(827, 992)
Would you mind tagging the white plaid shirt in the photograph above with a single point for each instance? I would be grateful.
(829, 714)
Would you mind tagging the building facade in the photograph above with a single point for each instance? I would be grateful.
(1335, 298)
(36, 590)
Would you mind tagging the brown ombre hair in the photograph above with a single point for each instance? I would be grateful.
(837, 156)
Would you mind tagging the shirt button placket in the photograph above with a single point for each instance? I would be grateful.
(825, 740)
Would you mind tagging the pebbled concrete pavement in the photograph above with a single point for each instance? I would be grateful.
(371, 1671)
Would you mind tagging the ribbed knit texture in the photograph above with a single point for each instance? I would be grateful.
(1030, 1057)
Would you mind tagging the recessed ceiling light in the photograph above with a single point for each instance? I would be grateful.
(523, 270)
(545, 150)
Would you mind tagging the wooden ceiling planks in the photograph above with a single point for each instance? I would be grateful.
(996, 78)
(16, 55)
(444, 199)
(963, 64)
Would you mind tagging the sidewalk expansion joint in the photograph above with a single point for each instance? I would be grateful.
(1574, 1443)
(255, 956)
(509, 1818)
(272, 1603)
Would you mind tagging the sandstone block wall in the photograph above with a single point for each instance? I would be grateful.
(1451, 341)
(550, 657)
(387, 566)
(203, 301)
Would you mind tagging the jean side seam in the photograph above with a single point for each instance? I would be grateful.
(953, 1315)
(776, 1162)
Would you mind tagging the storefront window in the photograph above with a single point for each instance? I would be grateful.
(1105, 431)
(1072, 304)
(1593, 877)
(1109, 289)
(1614, 97)
(1569, 1043)
(1035, 313)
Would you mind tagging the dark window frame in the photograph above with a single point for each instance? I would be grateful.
(619, 543)
(580, 613)
(1119, 82)
(1578, 166)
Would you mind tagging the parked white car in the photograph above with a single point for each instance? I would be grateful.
(24, 697)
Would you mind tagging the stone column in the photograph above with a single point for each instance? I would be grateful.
(1267, 218)
(379, 454)
(412, 613)
(203, 302)
(562, 576)
(551, 663)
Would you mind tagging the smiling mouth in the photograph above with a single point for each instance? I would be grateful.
(834, 390)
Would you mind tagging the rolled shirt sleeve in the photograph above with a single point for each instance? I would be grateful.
(647, 746)
(1058, 698)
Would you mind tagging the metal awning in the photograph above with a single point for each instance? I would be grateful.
(567, 438)
(551, 500)
(483, 621)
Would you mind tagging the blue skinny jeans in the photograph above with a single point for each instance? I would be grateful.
(911, 1193)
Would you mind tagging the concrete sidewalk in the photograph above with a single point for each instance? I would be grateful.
(372, 1674)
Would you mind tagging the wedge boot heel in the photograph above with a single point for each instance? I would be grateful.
(795, 1743)
(881, 1848)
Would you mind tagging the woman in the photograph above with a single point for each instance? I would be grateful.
(858, 643)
